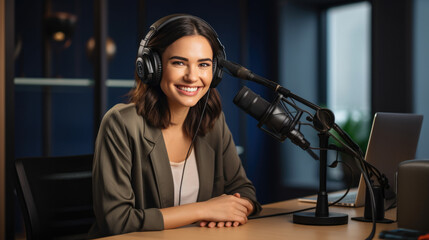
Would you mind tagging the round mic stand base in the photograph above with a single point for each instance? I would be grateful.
(321, 216)
(310, 218)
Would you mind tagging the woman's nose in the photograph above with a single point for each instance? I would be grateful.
(191, 74)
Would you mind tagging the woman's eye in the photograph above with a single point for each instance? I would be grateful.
(205, 64)
(178, 63)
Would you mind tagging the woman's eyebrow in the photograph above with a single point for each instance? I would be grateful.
(204, 60)
(185, 59)
(179, 58)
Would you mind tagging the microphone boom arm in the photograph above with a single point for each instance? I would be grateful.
(239, 71)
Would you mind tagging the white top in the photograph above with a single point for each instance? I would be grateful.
(191, 183)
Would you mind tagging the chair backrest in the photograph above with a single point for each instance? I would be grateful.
(56, 196)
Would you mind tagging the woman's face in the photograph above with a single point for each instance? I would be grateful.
(186, 71)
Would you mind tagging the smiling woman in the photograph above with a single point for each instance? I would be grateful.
(168, 159)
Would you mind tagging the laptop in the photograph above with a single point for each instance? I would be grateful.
(393, 139)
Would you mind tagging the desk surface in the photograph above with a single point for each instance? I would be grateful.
(278, 227)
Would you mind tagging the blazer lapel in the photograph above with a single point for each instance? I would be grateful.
(161, 167)
(205, 156)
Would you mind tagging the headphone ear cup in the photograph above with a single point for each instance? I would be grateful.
(148, 67)
(217, 73)
(144, 67)
(140, 68)
(157, 68)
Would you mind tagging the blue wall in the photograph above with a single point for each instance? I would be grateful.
(298, 61)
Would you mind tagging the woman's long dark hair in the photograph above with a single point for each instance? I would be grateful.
(151, 101)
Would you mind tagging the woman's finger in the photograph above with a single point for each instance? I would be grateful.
(212, 224)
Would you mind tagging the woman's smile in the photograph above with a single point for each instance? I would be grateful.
(189, 91)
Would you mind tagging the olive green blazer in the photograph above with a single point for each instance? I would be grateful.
(132, 176)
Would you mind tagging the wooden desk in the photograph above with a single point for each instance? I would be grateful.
(279, 227)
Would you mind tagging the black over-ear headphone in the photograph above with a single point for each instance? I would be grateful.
(149, 64)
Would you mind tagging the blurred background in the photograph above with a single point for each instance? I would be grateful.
(353, 57)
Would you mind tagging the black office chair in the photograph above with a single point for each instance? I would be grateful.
(55, 194)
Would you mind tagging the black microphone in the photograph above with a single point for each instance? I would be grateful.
(274, 117)
(241, 72)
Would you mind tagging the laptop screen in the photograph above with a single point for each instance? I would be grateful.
(393, 139)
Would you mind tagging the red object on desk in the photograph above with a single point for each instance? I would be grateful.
(424, 237)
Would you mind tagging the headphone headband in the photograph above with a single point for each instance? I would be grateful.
(149, 64)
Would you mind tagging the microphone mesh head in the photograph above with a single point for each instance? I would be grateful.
(251, 103)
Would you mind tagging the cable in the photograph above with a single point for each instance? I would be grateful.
(190, 146)
(371, 194)
(363, 168)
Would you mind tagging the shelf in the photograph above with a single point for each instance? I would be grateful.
(72, 82)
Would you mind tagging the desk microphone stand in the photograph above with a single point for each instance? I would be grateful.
(321, 216)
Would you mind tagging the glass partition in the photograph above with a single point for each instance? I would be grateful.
(349, 75)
